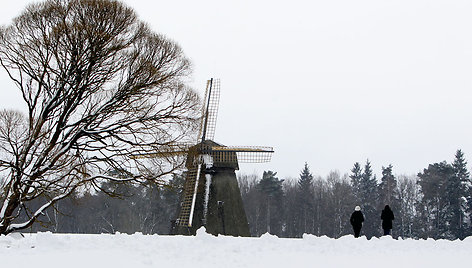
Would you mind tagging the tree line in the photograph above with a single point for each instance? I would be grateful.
(436, 203)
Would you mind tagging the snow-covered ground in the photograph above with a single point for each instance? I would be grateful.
(132, 251)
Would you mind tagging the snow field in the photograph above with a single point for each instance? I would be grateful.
(204, 250)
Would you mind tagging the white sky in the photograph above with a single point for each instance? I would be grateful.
(326, 82)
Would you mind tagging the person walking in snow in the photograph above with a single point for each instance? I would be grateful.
(357, 218)
(387, 218)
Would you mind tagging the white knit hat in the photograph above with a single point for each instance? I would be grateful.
(357, 208)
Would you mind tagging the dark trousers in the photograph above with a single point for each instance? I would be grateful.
(387, 231)
(357, 230)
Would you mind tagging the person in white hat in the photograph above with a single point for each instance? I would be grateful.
(357, 218)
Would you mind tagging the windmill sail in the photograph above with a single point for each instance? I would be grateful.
(164, 150)
(212, 97)
(189, 196)
(242, 154)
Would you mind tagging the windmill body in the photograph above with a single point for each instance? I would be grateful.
(218, 204)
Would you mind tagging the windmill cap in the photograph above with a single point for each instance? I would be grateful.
(357, 208)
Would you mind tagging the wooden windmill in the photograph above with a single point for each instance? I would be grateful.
(211, 196)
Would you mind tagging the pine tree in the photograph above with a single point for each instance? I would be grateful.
(271, 191)
(387, 188)
(369, 199)
(305, 200)
(305, 183)
(460, 196)
(436, 183)
(356, 178)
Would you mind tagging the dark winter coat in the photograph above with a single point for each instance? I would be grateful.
(387, 218)
(357, 218)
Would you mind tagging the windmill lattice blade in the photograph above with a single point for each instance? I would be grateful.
(202, 129)
(213, 104)
(188, 198)
(242, 154)
(168, 150)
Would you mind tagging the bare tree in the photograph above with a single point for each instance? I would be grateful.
(98, 85)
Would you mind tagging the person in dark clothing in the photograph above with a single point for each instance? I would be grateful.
(387, 218)
(357, 218)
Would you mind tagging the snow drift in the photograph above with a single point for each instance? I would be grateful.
(204, 250)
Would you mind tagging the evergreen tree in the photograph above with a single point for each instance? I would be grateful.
(305, 183)
(453, 213)
(459, 191)
(271, 191)
(436, 183)
(387, 187)
(356, 177)
(369, 200)
(304, 199)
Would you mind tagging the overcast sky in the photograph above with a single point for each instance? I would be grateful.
(325, 82)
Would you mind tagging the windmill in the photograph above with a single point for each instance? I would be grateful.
(211, 195)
